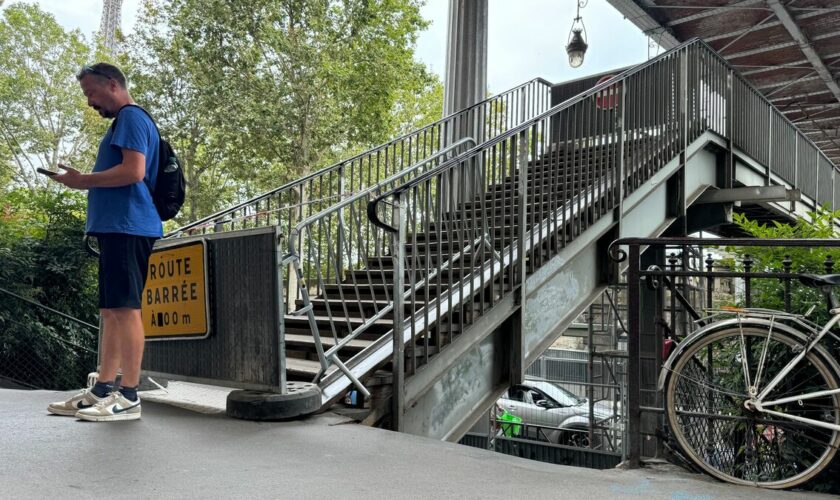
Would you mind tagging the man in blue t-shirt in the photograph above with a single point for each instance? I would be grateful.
(123, 218)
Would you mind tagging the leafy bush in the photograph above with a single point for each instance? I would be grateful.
(42, 259)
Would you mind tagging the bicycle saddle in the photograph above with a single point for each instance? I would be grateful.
(819, 280)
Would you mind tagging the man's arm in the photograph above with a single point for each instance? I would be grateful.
(131, 171)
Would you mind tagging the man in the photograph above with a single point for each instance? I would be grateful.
(123, 218)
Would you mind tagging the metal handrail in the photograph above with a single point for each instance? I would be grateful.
(566, 105)
(640, 131)
(326, 358)
(338, 165)
(361, 194)
(51, 310)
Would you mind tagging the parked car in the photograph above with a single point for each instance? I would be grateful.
(552, 413)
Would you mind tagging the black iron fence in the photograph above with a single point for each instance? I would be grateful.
(670, 293)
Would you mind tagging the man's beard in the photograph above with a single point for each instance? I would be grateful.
(104, 113)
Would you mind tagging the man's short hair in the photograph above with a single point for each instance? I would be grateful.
(104, 71)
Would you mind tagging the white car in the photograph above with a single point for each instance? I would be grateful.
(553, 413)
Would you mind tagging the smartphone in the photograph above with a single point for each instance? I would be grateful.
(46, 172)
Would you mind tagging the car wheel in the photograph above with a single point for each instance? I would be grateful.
(579, 438)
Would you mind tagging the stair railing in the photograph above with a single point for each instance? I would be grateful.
(538, 186)
(304, 197)
(329, 249)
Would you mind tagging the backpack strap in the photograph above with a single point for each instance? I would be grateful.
(114, 127)
(141, 108)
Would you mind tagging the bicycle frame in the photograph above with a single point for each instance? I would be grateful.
(758, 402)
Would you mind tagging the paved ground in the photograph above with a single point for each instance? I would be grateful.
(175, 453)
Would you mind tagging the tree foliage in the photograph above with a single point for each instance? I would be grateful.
(43, 116)
(43, 260)
(252, 95)
(769, 293)
(260, 93)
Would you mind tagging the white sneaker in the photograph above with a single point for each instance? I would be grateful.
(112, 408)
(83, 400)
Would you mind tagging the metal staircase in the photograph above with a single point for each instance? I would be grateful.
(445, 274)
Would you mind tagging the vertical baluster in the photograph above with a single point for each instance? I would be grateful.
(786, 267)
(748, 262)
(710, 282)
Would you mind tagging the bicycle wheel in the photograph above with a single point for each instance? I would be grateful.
(705, 395)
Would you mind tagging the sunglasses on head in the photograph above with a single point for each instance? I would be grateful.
(90, 70)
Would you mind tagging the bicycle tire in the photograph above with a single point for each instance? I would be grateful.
(706, 413)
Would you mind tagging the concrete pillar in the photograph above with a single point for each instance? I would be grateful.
(465, 84)
(465, 81)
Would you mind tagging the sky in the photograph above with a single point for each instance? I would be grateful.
(526, 38)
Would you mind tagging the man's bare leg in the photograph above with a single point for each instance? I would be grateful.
(131, 344)
(111, 345)
(111, 348)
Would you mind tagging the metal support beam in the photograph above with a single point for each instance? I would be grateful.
(805, 46)
(712, 11)
(826, 134)
(751, 194)
(788, 83)
(788, 65)
(636, 13)
(770, 24)
(398, 360)
(812, 119)
(784, 45)
(465, 82)
(798, 96)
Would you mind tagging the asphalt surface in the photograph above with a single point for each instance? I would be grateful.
(175, 453)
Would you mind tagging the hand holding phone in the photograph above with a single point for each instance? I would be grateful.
(46, 172)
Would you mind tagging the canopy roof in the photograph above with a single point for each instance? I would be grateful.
(788, 49)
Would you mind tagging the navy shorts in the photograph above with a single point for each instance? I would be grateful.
(123, 266)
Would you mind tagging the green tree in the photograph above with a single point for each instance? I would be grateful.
(43, 260)
(256, 94)
(43, 115)
(44, 119)
(769, 293)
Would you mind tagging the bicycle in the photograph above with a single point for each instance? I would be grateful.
(753, 397)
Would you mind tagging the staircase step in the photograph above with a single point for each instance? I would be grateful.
(368, 291)
(340, 322)
(327, 341)
(386, 263)
(306, 367)
(552, 179)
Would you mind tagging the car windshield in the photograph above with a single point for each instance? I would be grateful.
(559, 394)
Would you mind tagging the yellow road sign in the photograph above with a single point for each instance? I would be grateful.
(175, 298)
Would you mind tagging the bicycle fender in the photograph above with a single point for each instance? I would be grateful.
(728, 323)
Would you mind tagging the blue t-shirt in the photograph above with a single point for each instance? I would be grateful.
(127, 209)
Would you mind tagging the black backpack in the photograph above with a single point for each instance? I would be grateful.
(170, 185)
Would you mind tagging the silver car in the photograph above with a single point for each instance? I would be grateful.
(552, 413)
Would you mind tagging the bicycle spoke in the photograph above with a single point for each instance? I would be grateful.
(744, 359)
(763, 358)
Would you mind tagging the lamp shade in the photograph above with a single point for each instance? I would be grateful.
(576, 49)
